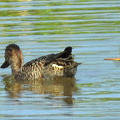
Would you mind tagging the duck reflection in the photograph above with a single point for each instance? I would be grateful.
(58, 88)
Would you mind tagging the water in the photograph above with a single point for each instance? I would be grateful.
(41, 27)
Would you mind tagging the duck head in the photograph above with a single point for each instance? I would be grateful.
(13, 57)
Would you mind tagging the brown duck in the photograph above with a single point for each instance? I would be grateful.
(53, 65)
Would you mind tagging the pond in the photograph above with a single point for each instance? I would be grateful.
(92, 28)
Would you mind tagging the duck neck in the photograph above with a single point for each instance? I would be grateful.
(16, 64)
(15, 68)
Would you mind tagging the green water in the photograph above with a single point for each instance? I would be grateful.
(92, 28)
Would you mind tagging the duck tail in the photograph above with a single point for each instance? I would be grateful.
(74, 65)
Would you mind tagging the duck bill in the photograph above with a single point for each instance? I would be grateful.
(118, 59)
(5, 64)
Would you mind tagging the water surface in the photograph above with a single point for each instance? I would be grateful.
(41, 27)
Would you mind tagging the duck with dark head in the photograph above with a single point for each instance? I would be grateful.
(53, 65)
(13, 57)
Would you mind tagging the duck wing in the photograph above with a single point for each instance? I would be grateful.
(65, 54)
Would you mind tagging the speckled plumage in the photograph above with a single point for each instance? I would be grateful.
(61, 64)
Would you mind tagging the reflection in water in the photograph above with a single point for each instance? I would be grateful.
(59, 88)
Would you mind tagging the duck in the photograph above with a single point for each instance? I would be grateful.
(61, 64)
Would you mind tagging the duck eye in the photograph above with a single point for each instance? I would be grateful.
(8, 51)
